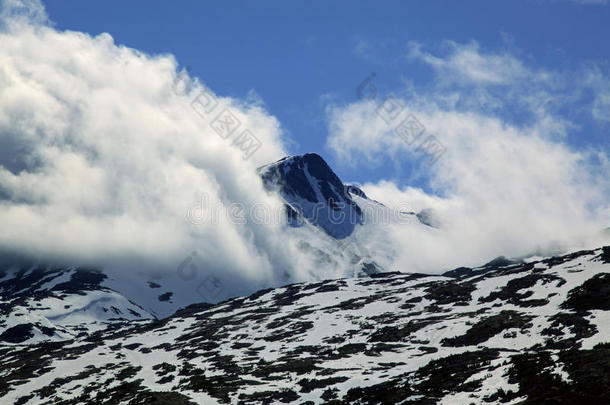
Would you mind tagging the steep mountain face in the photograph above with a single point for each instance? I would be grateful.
(530, 332)
(314, 192)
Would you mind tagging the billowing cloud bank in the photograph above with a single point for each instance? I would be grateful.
(106, 154)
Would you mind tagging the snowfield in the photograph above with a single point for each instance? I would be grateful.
(524, 332)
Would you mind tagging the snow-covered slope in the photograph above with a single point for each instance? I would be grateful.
(42, 304)
(531, 332)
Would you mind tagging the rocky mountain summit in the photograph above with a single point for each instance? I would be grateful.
(314, 193)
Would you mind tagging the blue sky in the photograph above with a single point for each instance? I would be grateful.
(301, 57)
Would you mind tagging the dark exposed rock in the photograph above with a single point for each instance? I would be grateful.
(557, 260)
(450, 292)
(577, 325)
(328, 205)
(605, 256)
(459, 272)
(511, 292)
(450, 373)
(592, 294)
(397, 333)
(489, 327)
(18, 333)
(308, 385)
(499, 261)
(589, 380)
(165, 296)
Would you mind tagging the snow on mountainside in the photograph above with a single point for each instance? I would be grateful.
(40, 304)
(530, 332)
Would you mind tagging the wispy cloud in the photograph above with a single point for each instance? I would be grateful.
(599, 83)
(467, 62)
(508, 183)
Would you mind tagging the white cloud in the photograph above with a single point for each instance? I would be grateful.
(599, 83)
(16, 12)
(102, 157)
(506, 191)
(467, 62)
(508, 187)
(358, 128)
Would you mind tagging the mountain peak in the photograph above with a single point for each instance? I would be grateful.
(312, 190)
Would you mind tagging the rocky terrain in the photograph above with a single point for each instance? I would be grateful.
(536, 331)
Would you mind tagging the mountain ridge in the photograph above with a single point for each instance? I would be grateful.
(503, 333)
